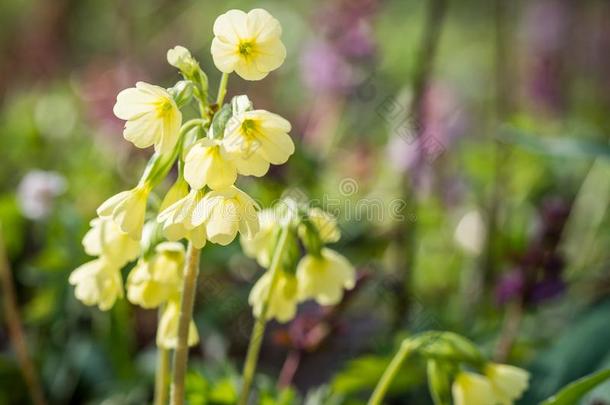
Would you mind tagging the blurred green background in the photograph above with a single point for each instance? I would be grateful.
(484, 211)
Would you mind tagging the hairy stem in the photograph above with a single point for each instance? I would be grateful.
(15, 329)
(162, 377)
(256, 337)
(186, 314)
(390, 373)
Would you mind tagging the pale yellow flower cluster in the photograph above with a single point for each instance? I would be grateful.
(322, 274)
(501, 384)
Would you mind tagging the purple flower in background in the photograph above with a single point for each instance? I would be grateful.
(323, 69)
(510, 286)
(37, 192)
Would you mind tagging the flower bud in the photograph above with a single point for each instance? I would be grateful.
(181, 58)
(217, 130)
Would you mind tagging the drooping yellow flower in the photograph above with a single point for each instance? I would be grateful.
(154, 281)
(167, 332)
(508, 382)
(326, 225)
(283, 303)
(177, 191)
(472, 389)
(152, 116)
(97, 282)
(177, 220)
(225, 212)
(207, 163)
(261, 245)
(323, 278)
(106, 239)
(257, 138)
(248, 44)
(127, 210)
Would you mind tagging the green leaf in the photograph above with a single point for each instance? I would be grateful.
(571, 393)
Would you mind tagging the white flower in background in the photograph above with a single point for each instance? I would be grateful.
(177, 220)
(325, 277)
(508, 382)
(97, 282)
(261, 245)
(470, 233)
(248, 44)
(283, 303)
(472, 389)
(152, 116)
(37, 191)
(106, 239)
(225, 212)
(127, 210)
(167, 332)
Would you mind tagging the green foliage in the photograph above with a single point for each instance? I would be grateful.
(574, 391)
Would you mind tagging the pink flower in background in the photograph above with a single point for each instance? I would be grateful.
(37, 192)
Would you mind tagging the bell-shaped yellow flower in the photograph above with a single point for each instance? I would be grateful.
(207, 163)
(154, 281)
(257, 138)
(326, 225)
(472, 389)
(261, 245)
(225, 212)
(105, 238)
(97, 282)
(248, 44)
(167, 332)
(283, 303)
(177, 220)
(127, 210)
(508, 382)
(323, 278)
(152, 116)
(177, 191)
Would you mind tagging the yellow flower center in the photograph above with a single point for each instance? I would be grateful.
(246, 48)
(163, 107)
(249, 129)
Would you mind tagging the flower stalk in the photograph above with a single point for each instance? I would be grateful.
(389, 374)
(162, 376)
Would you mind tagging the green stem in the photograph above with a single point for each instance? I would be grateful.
(222, 89)
(186, 314)
(256, 337)
(390, 373)
(162, 377)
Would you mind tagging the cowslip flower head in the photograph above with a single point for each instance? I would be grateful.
(225, 212)
(97, 282)
(152, 116)
(106, 239)
(177, 220)
(127, 210)
(508, 382)
(258, 138)
(260, 246)
(324, 277)
(167, 332)
(472, 389)
(154, 281)
(283, 303)
(207, 163)
(248, 44)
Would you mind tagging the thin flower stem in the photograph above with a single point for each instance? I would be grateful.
(186, 314)
(258, 331)
(222, 89)
(162, 377)
(390, 373)
(15, 328)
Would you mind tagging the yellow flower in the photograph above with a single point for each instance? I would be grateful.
(177, 220)
(225, 212)
(152, 282)
(248, 44)
(257, 138)
(152, 116)
(127, 210)
(261, 245)
(508, 382)
(207, 163)
(106, 239)
(177, 191)
(326, 225)
(324, 278)
(97, 282)
(283, 303)
(167, 332)
(472, 389)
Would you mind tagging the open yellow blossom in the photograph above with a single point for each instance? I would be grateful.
(154, 281)
(248, 44)
(323, 278)
(472, 389)
(97, 282)
(283, 303)
(152, 116)
(207, 163)
(261, 245)
(105, 238)
(326, 225)
(257, 138)
(167, 332)
(177, 220)
(127, 210)
(508, 382)
(225, 212)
